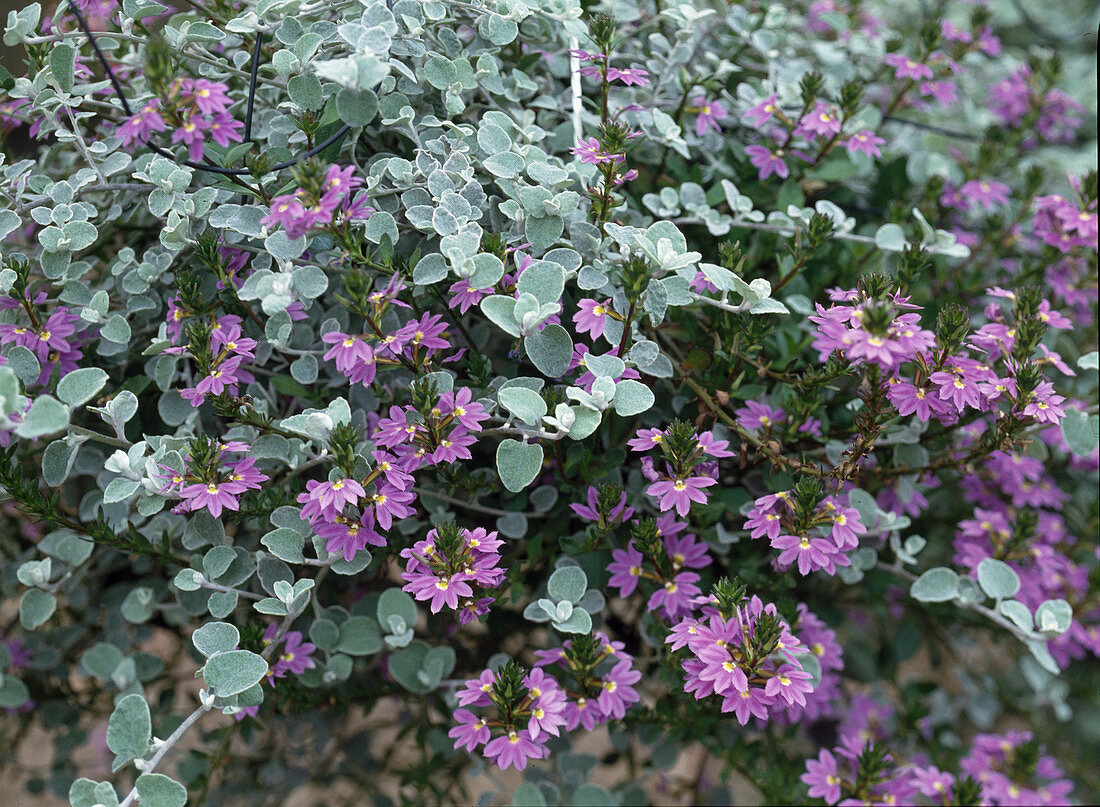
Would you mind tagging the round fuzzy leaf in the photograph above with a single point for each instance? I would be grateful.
(158, 790)
(543, 279)
(890, 238)
(356, 107)
(567, 584)
(1018, 613)
(81, 385)
(215, 637)
(997, 579)
(130, 729)
(578, 622)
(47, 415)
(36, 607)
(518, 463)
(395, 602)
(632, 398)
(13, 693)
(233, 671)
(361, 636)
(525, 404)
(550, 350)
(935, 585)
(1053, 617)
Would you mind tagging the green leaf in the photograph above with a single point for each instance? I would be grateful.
(430, 269)
(305, 91)
(361, 636)
(139, 605)
(550, 350)
(1079, 433)
(518, 463)
(543, 231)
(491, 138)
(997, 579)
(578, 622)
(81, 385)
(285, 544)
(525, 404)
(356, 107)
(440, 71)
(47, 415)
(129, 729)
(63, 64)
(1018, 613)
(116, 330)
(395, 602)
(13, 692)
(101, 660)
(217, 560)
(85, 792)
(488, 270)
(120, 489)
(233, 671)
(158, 790)
(935, 585)
(215, 637)
(1053, 617)
(589, 795)
(567, 583)
(506, 165)
(890, 238)
(24, 364)
(1090, 361)
(36, 607)
(499, 309)
(544, 279)
(528, 795)
(632, 398)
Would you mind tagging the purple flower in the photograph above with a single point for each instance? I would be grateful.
(296, 656)
(821, 121)
(864, 142)
(756, 415)
(680, 492)
(626, 569)
(708, 114)
(988, 193)
(760, 113)
(822, 777)
(907, 68)
(591, 317)
(514, 749)
(213, 496)
(471, 731)
(769, 162)
(209, 96)
(464, 296)
(629, 76)
(140, 127)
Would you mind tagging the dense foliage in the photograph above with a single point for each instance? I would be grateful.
(494, 401)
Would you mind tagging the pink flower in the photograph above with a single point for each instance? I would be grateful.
(708, 114)
(214, 497)
(591, 317)
(907, 68)
(514, 749)
(680, 493)
(769, 162)
(141, 126)
(864, 142)
(760, 113)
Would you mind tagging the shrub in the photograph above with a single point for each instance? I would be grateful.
(564, 388)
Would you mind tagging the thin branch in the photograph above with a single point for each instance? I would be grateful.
(167, 745)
